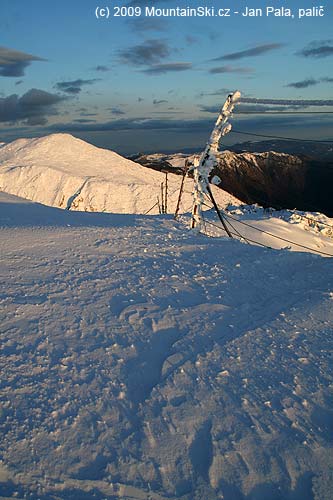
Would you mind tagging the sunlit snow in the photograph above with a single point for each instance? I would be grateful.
(142, 360)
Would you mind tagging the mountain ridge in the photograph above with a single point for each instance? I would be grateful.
(269, 178)
(63, 171)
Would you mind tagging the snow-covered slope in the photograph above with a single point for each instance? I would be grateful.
(139, 360)
(62, 171)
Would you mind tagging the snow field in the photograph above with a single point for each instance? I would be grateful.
(138, 356)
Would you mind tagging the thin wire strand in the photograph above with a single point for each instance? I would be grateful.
(231, 225)
(233, 131)
(248, 239)
(280, 237)
(227, 216)
(282, 112)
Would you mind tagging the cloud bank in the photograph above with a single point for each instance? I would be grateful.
(13, 62)
(32, 108)
(145, 54)
(318, 49)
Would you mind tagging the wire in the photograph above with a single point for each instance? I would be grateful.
(264, 232)
(271, 234)
(283, 112)
(234, 234)
(169, 196)
(231, 225)
(278, 207)
(146, 213)
(233, 131)
(280, 237)
(294, 212)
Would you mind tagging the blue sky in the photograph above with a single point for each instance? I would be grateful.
(144, 83)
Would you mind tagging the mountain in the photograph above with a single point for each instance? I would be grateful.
(62, 171)
(316, 150)
(142, 360)
(270, 179)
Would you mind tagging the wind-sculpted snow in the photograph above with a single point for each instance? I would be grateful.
(142, 361)
(62, 171)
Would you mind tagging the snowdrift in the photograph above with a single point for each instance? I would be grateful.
(62, 171)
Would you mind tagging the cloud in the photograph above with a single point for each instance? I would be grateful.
(265, 123)
(250, 108)
(254, 52)
(144, 24)
(261, 108)
(148, 53)
(288, 102)
(310, 82)
(230, 69)
(318, 49)
(157, 103)
(327, 79)
(253, 105)
(259, 124)
(223, 92)
(210, 109)
(172, 111)
(159, 69)
(117, 111)
(13, 62)
(101, 68)
(191, 40)
(142, 123)
(32, 108)
(74, 86)
(83, 120)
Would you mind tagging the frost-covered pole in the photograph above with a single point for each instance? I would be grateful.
(203, 166)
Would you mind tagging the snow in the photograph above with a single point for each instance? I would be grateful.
(141, 360)
(62, 171)
(278, 229)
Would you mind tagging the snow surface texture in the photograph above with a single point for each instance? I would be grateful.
(62, 171)
(142, 361)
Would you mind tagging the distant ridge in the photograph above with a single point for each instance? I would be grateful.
(318, 151)
(313, 150)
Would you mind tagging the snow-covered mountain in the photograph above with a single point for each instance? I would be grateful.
(315, 150)
(269, 178)
(141, 360)
(62, 171)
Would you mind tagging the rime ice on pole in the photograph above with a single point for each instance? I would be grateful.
(202, 167)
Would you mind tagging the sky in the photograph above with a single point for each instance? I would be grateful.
(145, 83)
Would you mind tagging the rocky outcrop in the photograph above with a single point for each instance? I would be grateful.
(278, 180)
